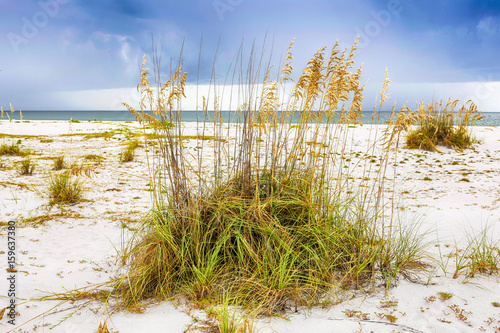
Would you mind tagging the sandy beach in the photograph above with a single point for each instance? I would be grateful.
(451, 195)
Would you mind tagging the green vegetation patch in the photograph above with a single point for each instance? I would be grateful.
(12, 149)
(63, 189)
(27, 167)
(271, 225)
(440, 125)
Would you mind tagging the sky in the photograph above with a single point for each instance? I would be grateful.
(85, 54)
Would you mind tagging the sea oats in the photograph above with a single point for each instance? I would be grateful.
(277, 216)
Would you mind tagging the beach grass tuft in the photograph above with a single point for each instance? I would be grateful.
(59, 163)
(12, 149)
(481, 254)
(64, 189)
(439, 125)
(278, 221)
(27, 167)
(128, 152)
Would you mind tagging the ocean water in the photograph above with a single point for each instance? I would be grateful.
(489, 118)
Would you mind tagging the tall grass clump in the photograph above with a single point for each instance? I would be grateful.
(481, 254)
(128, 152)
(440, 125)
(64, 189)
(59, 163)
(27, 167)
(12, 149)
(277, 218)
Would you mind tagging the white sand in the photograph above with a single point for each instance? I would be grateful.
(78, 247)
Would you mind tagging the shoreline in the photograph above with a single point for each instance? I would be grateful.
(489, 118)
(76, 246)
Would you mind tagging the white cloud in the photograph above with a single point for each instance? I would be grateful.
(485, 94)
(101, 36)
(101, 99)
(488, 26)
(112, 99)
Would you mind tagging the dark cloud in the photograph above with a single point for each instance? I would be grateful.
(98, 44)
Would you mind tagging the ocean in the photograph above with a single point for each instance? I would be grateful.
(489, 118)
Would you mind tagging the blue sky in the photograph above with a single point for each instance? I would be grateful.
(76, 54)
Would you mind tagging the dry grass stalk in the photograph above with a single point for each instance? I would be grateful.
(82, 169)
(103, 328)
